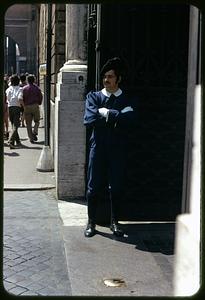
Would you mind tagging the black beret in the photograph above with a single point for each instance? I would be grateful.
(112, 64)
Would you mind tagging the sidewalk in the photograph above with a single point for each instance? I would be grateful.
(20, 165)
(138, 264)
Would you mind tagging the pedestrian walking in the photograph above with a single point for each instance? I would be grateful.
(109, 114)
(14, 99)
(32, 98)
(5, 109)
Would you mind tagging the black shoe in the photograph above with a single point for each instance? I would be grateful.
(90, 230)
(12, 146)
(115, 229)
(35, 138)
(32, 142)
(18, 144)
(6, 136)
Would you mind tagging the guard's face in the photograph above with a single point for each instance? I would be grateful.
(110, 81)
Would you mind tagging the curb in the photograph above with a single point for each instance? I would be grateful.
(26, 187)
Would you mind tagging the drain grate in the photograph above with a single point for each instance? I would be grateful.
(114, 282)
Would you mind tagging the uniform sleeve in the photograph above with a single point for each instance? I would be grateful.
(92, 116)
(113, 116)
(126, 120)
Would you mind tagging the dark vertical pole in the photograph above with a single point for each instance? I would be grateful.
(48, 76)
(98, 40)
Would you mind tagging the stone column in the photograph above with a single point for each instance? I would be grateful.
(70, 139)
(76, 23)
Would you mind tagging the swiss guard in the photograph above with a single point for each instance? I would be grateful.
(109, 113)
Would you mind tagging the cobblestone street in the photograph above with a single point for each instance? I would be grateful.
(46, 254)
(34, 256)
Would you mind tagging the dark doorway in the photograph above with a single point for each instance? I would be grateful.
(153, 41)
(10, 55)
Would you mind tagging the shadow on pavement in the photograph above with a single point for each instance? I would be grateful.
(12, 154)
(147, 237)
(30, 147)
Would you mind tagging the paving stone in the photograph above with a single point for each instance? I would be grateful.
(15, 278)
(26, 272)
(35, 286)
(18, 268)
(48, 291)
(33, 244)
(29, 293)
(42, 266)
(17, 290)
(8, 285)
(8, 271)
(12, 256)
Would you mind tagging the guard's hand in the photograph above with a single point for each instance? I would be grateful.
(103, 111)
(126, 109)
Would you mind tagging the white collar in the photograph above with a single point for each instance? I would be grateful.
(108, 94)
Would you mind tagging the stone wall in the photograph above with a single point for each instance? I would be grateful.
(57, 55)
(70, 136)
(68, 82)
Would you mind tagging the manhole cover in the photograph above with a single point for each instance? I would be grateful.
(114, 282)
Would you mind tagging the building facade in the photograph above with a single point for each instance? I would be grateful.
(68, 73)
(83, 38)
(21, 35)
(157, 42)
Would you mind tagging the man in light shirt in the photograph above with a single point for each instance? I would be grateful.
(14, 99)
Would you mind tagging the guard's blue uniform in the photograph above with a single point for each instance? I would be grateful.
(107, 147)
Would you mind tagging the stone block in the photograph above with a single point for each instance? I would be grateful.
(73, 91)
(70, 168)
(71, 116)
(72, 188)
(71, 162)
(187, 263)
(72, 77)
(70, 141)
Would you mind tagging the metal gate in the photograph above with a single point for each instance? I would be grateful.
(153, 41)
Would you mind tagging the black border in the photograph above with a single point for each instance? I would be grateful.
(199, 4)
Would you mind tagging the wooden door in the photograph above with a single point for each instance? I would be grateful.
(153, 41)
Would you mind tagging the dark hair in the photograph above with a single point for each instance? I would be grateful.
(113, 64)
(23, 77)
(31, 78)
(14, 79)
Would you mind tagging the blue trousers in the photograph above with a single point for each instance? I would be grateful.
(106, 170)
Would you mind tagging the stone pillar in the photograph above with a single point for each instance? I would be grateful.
(76, 23)
(70, 139)
(187, 262)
